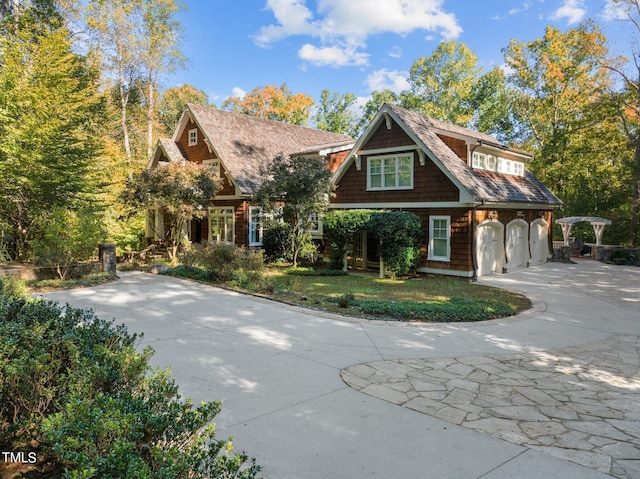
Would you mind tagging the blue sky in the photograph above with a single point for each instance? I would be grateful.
(356, 46)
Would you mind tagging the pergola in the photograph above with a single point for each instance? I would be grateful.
(598, 226)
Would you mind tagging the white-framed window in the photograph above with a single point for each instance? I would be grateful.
(193, 137)
(214, 165)
(491, 163)
(439, 238)
(315, 223)
(255, 226)
(221, 224)
(390, 172)
(518, 168)
(479, 160)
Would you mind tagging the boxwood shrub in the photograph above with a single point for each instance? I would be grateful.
(75, 391)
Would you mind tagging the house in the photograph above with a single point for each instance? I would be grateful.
(236, 146)
(482, 210)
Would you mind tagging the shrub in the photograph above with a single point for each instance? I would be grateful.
(74, 388)
(12, 287)
(190, 272)
(276, 242)
(225, 262)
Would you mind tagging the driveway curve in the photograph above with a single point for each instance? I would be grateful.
(278, 369)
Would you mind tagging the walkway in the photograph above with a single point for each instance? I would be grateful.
(278, 371)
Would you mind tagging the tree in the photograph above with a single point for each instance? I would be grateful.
(173, 102)
(115, 26)
(629, 107)
(442, 84)
(160, 52)
(561, 101)
(273, 103)
(181, 190)
(302, 187)
(49, 112)
(378, 98)
(334, 113)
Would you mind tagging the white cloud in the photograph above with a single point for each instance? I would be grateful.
(395, 52)
(614, 11)
(388, 80)
(238, 92)
(340, 25)
(572, 10)
(335, 56)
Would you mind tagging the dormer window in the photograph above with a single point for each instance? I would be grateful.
(193, 137)
(482, 161)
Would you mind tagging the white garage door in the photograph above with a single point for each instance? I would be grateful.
(539, 241)
(489, 247)
(517, 244)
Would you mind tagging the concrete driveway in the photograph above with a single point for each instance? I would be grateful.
(278, 370)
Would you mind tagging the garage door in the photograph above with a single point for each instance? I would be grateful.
(489, 247)
(539, 241)
(517, 244)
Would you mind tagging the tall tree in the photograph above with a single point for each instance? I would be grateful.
(334, 113)
(273, 103)
(173, 102)
(442, 83)
(378, 98)
(116, 29)
(160, 50)
(561, 100)
(628, 103)
(49, 109)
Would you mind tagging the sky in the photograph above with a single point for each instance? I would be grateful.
(357, 46)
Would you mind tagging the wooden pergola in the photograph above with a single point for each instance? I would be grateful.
(598, 226)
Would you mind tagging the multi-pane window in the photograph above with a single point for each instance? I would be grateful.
(482, 161)
(214, 165)
(439, 238)
(193, 137)
(221, 222)
(255, 226)
(390, 172)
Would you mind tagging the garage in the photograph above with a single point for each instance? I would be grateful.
(539, 241)
(489, 247)
(517, 247)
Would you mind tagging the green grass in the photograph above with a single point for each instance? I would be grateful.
(53, 284)
(425, 298)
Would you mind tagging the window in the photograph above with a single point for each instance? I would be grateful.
(390, 172)
(255, 226)
(439, 238)
(214, 165)
(193, 137)
(491, 163)
(315, 223)
(479, 160)
(221, 222)
(518, 168)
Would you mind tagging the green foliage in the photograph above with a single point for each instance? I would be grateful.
(276, 241)
(12, 287)
(67, 237)
(334, 113)
(49, 117)
(189, 272)
(400, 236)
(174, 101)
(93, 279)
(453, 310)
(184, 191)
(301, 187)
(76, 386)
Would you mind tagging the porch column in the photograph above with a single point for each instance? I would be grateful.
(598, 229)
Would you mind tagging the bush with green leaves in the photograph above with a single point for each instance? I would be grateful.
(400, 236)
(226, 262)
(12, 287)
(74, 389)
(276, 242)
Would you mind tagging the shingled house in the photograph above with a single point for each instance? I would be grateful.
(236, 146)
(482, 211)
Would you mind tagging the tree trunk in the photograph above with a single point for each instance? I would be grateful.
(635, 199)
(150, 109)
(124, 100)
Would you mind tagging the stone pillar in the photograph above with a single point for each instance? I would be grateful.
(107, 255)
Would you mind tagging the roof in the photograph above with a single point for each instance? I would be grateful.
(481, 185)
(171, 150)
(245, 143)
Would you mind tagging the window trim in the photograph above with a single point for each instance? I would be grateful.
(218, 212)
(193, 137)
(383, 159)
(431, 256)
(252, 229)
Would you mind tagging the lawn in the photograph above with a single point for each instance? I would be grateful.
(425, 298)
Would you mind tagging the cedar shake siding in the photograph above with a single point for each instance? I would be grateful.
(489, 207)
(241, 144)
